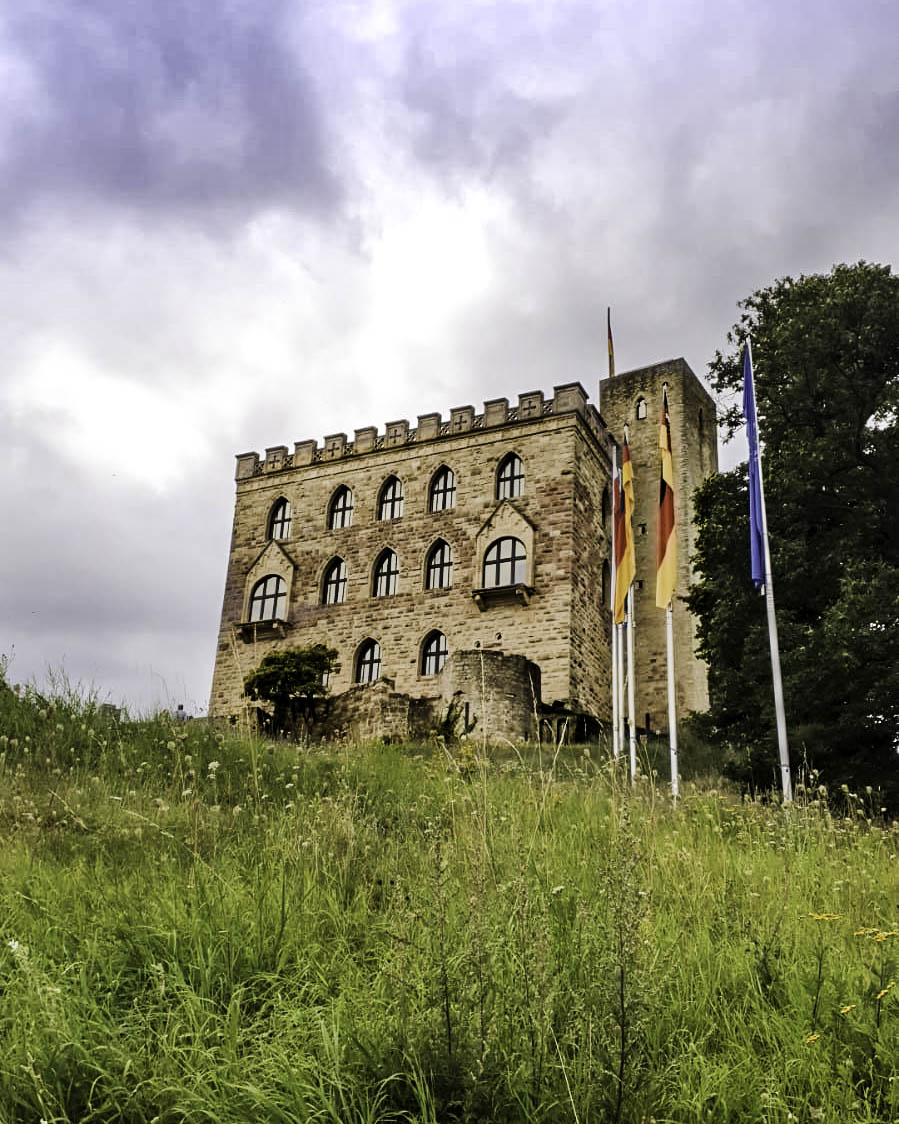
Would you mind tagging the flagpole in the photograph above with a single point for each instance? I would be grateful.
(672, 701)
(632, 725)
(621, 643)
(616, 746)
(779, 709)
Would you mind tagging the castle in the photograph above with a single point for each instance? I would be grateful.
(467, 560)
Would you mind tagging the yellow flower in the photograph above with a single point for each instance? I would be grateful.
(847, 1008)
(811, 1038)
(886, 990)
(824, 916)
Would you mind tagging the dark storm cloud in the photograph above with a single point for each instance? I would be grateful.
(170, 104)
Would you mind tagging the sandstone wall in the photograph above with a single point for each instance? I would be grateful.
(557, 622)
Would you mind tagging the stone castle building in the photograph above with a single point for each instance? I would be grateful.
(467, 560)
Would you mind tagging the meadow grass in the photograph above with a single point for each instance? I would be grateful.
(202, 926)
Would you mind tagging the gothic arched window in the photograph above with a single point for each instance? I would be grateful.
(368, 662)
(505, 563)
(510, 477)
(387, 570)
(268, 601)
(439, 566)
(433, 653)
(340, 511)
(442, 494)
(640, 410)
(334, 583)
(390, 500)
(279, 520)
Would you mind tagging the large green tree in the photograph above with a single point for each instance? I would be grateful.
(826, 360)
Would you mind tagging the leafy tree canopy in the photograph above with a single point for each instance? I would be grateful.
(291, 679)
(826, 362)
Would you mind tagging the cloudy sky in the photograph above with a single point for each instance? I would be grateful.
(230, 224)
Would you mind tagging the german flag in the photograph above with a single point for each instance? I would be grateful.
(666, 570)
(625, 566)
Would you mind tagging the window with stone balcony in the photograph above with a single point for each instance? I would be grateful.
(505, 563)
(268, 600)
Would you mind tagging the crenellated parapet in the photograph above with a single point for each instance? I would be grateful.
(532, 406)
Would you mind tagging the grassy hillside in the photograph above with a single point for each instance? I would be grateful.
(198, 926)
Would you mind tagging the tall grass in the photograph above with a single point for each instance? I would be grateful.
(198, 926)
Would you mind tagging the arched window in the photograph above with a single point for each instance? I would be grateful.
(268, 601)
(510, 477)
(334, 584)
(368, 662)
(439, 567)
(340, 511)
(640, 410)
(443, 490)
(279, 520)
(387, 570)
(390, 501)
(433, 653)
(505, 563)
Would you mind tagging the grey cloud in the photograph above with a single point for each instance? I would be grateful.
(170, 105)
(102, 579)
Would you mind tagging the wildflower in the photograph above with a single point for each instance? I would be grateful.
(235, 811)
(14, 945)
(42, 714)
(212, 766)
(556, 890)
(824, 916)
(187, 792)
(811, 1038)
(188, 759)
(169, 745)
(889, 987)
(846, 1008)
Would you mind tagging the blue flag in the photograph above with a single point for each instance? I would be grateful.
(756, 528)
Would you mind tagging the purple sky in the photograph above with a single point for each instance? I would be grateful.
(231, 225)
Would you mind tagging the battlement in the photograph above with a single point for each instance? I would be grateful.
(532, 406)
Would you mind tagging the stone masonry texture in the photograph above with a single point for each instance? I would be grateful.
(557, 618)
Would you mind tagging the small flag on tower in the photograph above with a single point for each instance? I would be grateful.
(625, 566)
(666, 571)
(611, 345)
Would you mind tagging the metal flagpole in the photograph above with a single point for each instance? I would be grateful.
(632, 725)
(616, 746)
(621, 642)
(672, 703)
(779, 710)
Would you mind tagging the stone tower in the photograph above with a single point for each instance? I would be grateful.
(633, 399)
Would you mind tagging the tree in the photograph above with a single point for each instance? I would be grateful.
(291, 679)
(826, 360)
